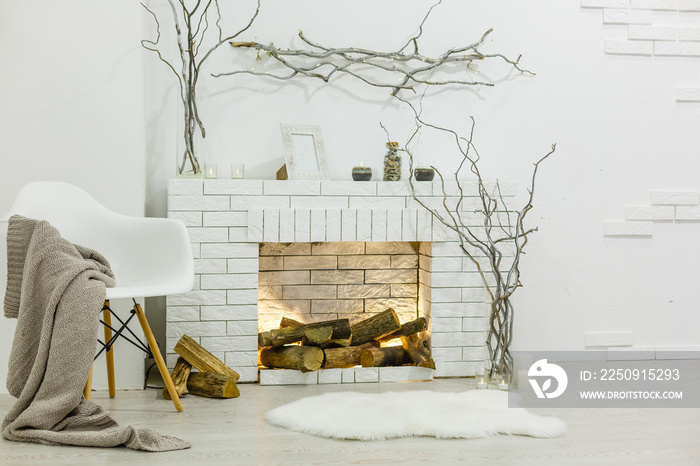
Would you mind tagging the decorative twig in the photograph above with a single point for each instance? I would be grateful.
(191, 28)
(404, 68)
(399, 70)
(490, 239)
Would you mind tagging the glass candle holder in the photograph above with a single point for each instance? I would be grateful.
(211, 170)
(237, 170)
(480, 380)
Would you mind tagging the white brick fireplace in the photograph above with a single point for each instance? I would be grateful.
(228, 219)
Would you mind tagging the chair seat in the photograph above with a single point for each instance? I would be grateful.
(146, 290)
(149, 256)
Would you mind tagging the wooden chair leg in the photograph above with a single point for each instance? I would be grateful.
(109, 355)
(158, 357)
(87, 391)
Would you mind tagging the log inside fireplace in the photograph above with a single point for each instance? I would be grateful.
(377, 341)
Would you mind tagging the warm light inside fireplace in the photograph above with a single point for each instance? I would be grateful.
(312, 282)
(394, 342)
(376, 286)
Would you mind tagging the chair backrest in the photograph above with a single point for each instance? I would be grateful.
(149, 256)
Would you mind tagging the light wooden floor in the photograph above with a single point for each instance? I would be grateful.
(233, 432)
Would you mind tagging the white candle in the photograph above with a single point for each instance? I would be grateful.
(210, 170)
(480, 380)
(237, 170)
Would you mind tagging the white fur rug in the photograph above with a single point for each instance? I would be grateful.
(381, 416)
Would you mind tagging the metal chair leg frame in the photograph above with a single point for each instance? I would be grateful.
(152, 350)
(119, 333)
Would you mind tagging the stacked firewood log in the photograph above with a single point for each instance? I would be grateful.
(336, 344)
(214, 379)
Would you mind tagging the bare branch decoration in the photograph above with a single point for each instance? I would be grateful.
(499, 237)
(191, 27)
(402, 69)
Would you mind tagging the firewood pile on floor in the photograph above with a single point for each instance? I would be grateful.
(337, 344)
(214, 379)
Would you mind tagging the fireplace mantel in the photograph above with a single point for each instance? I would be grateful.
(227, 219)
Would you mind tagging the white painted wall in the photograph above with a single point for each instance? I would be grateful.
(619, 130)
(72, 110)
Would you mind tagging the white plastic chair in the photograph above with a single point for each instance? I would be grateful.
(149, 256)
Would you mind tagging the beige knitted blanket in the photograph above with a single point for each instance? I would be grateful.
(56, 290)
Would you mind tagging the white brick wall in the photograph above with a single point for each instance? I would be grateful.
(271, 225)
(204, 266)
(628, 228)
(675, 197)
(652, 32)
(652, 213)
(623, 47)
(292, 188)
(654, 4)
(654, 28)
(677, 49)
(226, 220)
(245, 187)
(688, 94)
(619, 16)
(689, 5)
(349, 375)
(688, 213)
(605, 3)
(666, 206)
(689, 33)
(190, 219)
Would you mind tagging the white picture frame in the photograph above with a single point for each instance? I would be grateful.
(305, 155)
